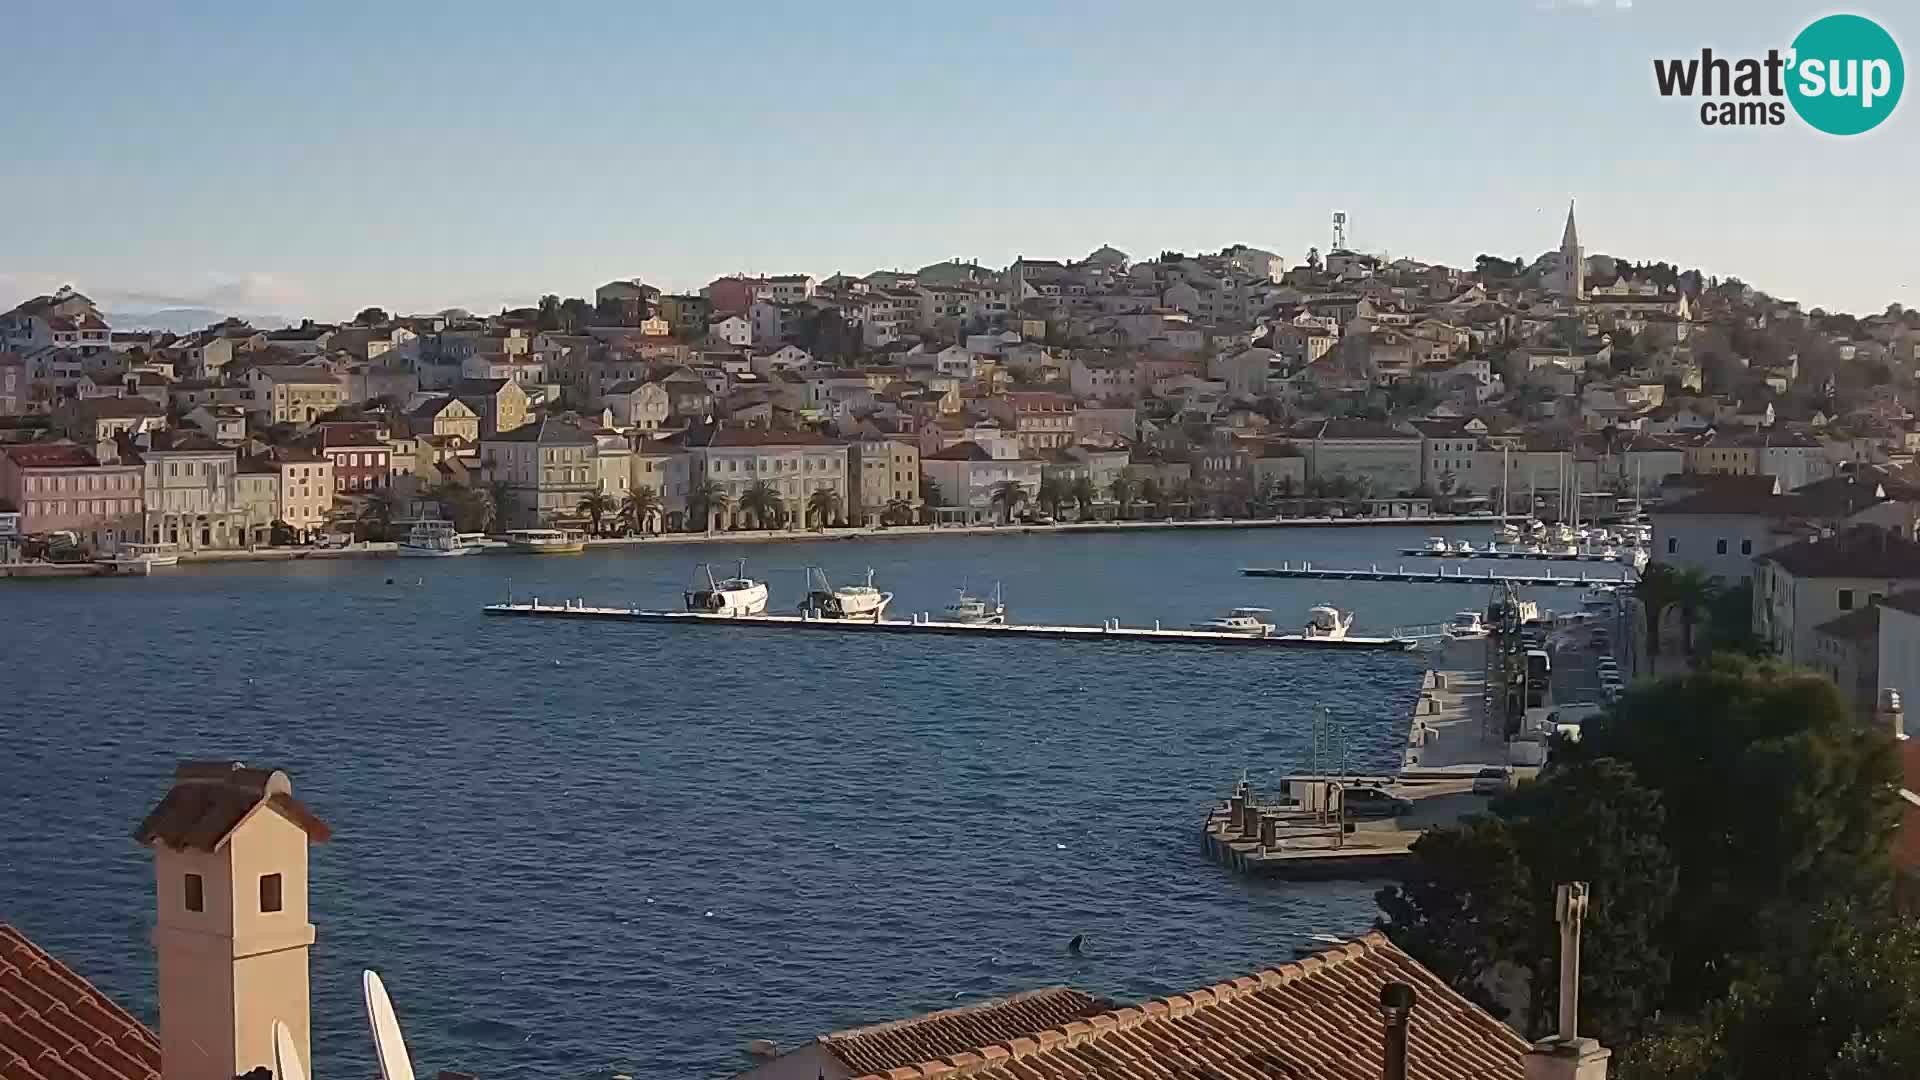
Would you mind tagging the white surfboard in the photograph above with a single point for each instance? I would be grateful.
(286, 1056)
(387, 1044)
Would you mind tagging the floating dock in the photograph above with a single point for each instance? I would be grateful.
(1440, 577)
(1530, 556)
(1110, 631)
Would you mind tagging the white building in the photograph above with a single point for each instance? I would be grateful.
(968, 473)
(1899, 646)
(1800, 586)
(795, 463)
(1382, 457)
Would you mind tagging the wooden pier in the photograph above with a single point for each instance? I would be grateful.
(1461, 576)
(1280, 840)
(1111, 630)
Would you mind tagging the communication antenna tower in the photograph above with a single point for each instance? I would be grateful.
(1340, 230)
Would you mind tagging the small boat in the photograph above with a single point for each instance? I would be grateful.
(857, 603)
(1509, 531)
(1466, 624)
(735, 596)
(1438, 545)
(1241, 620)
(1327, 621)
(1461, 547)
(972, 609)
(433, 540)
(142, 557)
(547, 541)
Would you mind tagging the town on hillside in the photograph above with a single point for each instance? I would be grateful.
(1220, 384)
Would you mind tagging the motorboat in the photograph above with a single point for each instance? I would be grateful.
(547, 541)
(433, 540)
(1438, 545)
(1461, 547)
(975, 611)
(1637, 558)
(731, 597)
(1509, 531)
(142, 557)
(1327, 621)
(855, 603)
(1466, 624)
(1241, 620)
(1564, 534)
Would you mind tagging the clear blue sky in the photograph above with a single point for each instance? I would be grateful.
(262, 158)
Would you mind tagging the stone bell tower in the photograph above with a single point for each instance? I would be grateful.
(231, 935)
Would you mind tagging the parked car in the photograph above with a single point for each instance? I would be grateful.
(1368, 802)
(1491, 781)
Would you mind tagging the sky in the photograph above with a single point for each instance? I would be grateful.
(313, 159)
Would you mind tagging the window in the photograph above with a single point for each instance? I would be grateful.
(1673, 544)
(1846, 599)
(1720, 547)
(196, 899)
(1746, 547)
(269, 892)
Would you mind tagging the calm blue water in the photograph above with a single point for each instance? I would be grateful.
(578, 849)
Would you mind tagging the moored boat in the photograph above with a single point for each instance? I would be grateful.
(547, 541)
(1327, 621)
(858, 603)
(142, 557)
(1241, 620)
(433, 540)
(735, 596)
(974, 610)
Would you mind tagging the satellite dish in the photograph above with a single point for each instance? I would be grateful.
(286, 1056)
(387, 1044)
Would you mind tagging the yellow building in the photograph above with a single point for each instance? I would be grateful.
(885, 469)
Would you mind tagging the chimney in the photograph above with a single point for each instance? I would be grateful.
(1566, 1056)
(1890, 714)
(231, 934)
(1396, 1008)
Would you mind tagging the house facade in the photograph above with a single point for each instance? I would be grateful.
(1798, 587)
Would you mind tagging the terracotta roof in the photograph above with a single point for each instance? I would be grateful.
(740, 436)
(209, 798)
(1317, 1017)
(960, 451)
(54, 455)
(54, 1025)
(883, 1047)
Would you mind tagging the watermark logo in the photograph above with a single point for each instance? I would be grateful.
(1842, 75)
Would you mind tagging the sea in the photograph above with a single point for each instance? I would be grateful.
(589, 849)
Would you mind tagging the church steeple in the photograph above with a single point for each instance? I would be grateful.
(1573, 263)
(1570, 240)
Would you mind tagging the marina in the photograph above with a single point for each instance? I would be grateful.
(1548, 579)
(1532, 553)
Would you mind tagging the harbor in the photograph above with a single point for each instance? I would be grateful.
(1544, 580)
(1534, 553)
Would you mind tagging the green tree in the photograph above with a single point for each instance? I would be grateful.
(762, 501)
(898, 512)
(1009, 496)
(823, 507)
(372, 316)
(493, 503)
(1053, 492)
(641, 508)
(1189, 496)
(376, 515)
(1124, 490)
(1154, 494)
(1655, 593)
(1730, 622)
(549, 312)
(1693, 592)
(598, 506)
(1083, 495)
(708, 497)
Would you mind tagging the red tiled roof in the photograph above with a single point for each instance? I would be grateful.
(881, 1048)
(55, 455)
(54, 1025)
(1316, 1017)
(209, 798)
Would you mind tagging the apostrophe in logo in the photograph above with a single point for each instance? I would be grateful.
(1842, 75)
(1846, 74)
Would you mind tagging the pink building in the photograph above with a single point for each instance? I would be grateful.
(734, 295)
(62, 486)
(13, 385)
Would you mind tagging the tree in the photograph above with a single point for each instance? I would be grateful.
(376, 515)
(762, 501)
(1124, 490)
(494, 502)
(1188, 494)
(641, 508)
(823, 506)
(575, 314)
(898, 512)
(1155, 495)
(1654, 592)
(929, 496)
(372, 316)
(1692, 591)
(1084, 496)
(708, 497)
(1053, 492)
(1009, 496)
(598, 506)
(1730, 622)
(549, 312)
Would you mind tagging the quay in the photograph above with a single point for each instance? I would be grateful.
(1460, 576)
(1292, 836)
(1111, 630)
(1529, 556)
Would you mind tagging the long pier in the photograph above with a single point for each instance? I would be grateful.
(1111, 630)
(1529, 556)
(1440, 577)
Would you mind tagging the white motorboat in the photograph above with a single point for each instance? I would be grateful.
(1564, 534)
(856, 603)
(975, 611)
(433, 540)
(735, 596)
(1437, 545)
(1637, 558)
(1466, 624)
(142, 557)
(1241, 620)
(1327, 621)
(1509, 531)
(1461, 547)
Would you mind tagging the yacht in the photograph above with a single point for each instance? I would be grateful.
(547, 541)
(1241, 620)
(856, 603)
(142, 557)
(1563, 534)
(433, 540)
(1467, 624)
(1509, 531)
(1327, 621)
(972, 609)
(732, 597)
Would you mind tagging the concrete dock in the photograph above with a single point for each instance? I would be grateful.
(1109, 631)
(1461, 576)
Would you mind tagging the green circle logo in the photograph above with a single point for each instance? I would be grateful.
(1846, 75)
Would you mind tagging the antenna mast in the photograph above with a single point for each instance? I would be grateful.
(1340, 230)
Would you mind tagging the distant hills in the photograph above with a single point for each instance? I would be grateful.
(184, 320)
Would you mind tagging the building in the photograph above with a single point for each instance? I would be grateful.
(306, 490)
(226, 424)
(1720, 529)
(1847, 650)
(1572, 279)
(500, 404)
(1040, 421)
(444, 415)
(362, 462)
(293, 395)
(1382, 459)
(639, 405)
(13, 385)
(968, 473)
(62, 486)
(93, 421)
(549, 466)
(735, 330)
(886, 471)
(796, 463)
(1798, 587)
(1897, 652)
(1447, 455)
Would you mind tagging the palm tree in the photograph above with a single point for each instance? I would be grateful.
(1083, 495)
(641, 506)
(1053, 492)
(709, 497)
(823, 506)
(377, 513)
(494, 501)
(929, 494)
(898, 512)
(598, 506)
(1154, 495)
(762, 500)
(1655, 592)
(1008, 495)
(1693, 591)
(1123, 489)
(1263, 495)
(1189, 493)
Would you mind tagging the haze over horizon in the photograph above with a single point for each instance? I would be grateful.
(314, 163)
